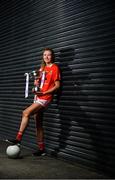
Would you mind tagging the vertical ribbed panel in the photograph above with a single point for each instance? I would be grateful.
(80, 125)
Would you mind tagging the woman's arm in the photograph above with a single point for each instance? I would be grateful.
(56, 87)
(50, 91)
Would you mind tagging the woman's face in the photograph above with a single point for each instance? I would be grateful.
(47, 56)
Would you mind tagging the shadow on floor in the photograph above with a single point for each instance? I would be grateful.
(29, 167)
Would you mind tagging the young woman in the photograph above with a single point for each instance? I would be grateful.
(48, 82)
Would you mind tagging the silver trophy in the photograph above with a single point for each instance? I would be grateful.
(36, 76)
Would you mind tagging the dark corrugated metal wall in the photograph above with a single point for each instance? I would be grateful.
(79, 126)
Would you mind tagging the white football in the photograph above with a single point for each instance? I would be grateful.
(13, 151)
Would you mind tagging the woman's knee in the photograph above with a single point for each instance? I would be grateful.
(25, 113)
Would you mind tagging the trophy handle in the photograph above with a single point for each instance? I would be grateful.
(27, 85)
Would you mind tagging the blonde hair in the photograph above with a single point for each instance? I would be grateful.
(43, 64)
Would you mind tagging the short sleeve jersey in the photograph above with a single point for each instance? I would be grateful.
(52, 74)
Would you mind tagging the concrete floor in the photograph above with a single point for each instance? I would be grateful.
(29, 167)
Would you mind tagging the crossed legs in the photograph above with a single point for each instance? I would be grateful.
(31, 110)
(36, 110)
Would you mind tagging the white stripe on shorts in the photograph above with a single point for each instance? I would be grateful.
(43, 102)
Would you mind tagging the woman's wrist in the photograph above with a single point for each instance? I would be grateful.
(44, 93)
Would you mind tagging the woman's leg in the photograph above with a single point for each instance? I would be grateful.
(40, 134)
(34, 108)
(39, 129)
